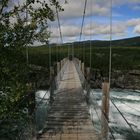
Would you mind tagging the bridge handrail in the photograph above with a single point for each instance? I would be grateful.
(61, 72)
(87, 88)
(54, 85)
(81, 76)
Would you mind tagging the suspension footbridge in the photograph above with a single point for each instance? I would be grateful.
(69, 117)
(71, 113)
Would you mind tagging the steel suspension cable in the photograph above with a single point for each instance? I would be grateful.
(106, 120)
(50, 56)
(90, 34)
(110, 65)
(27, 51)
(110, 47)
(130, 107)
(59, 26)
(113, 103)
(125, 119)
(83, 20)
(123, 116)
(81, 32)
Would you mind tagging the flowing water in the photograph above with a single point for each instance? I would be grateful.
(42, 105)
(128, 103)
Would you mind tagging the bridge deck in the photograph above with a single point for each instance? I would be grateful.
(69, 117)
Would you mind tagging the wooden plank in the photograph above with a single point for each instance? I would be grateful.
(69, 117)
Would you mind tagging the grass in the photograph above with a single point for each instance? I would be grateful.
(123, 58)
(41, 56)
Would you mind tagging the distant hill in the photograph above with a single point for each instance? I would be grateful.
(135, 41)
(128, 42)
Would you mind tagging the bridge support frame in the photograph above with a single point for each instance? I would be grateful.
(88, 74)
(105, 110)
(58, 67)
(79, 64)
(83, 68)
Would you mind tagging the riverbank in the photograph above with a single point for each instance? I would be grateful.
(127, 79)
(121, 79)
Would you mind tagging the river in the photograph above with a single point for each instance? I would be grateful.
(128, 102)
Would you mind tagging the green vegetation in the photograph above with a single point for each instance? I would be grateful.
(21, 23)
(41, 56)
(123, 58)
(15, 81)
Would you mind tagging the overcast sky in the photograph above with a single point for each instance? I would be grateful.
(125, 13)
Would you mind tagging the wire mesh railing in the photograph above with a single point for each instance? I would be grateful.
(35, 123)
(118, 126)
(81, 76)
(44, 105)
(61, 72)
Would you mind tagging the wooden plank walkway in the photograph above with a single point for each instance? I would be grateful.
(69, 117)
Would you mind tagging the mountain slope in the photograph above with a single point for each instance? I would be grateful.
(128, 42)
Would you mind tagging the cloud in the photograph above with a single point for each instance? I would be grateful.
(100, 10)
(136, 7)
(75, 8)
(55, 40)
(100, 29)
(120, 2)
(137, 29)
(71, 39)
(69, 31)
(133, 22)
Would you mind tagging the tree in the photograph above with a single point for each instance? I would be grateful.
(21, 24)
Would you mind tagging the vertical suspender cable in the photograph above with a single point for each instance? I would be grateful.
(50, 57)
(83, 25)
(90, 35)
(57, 51)
(110, 48)
(50, 69)
(27, 52)
(110, 68)
(83, 20)
(84, 49)
(59, 26)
